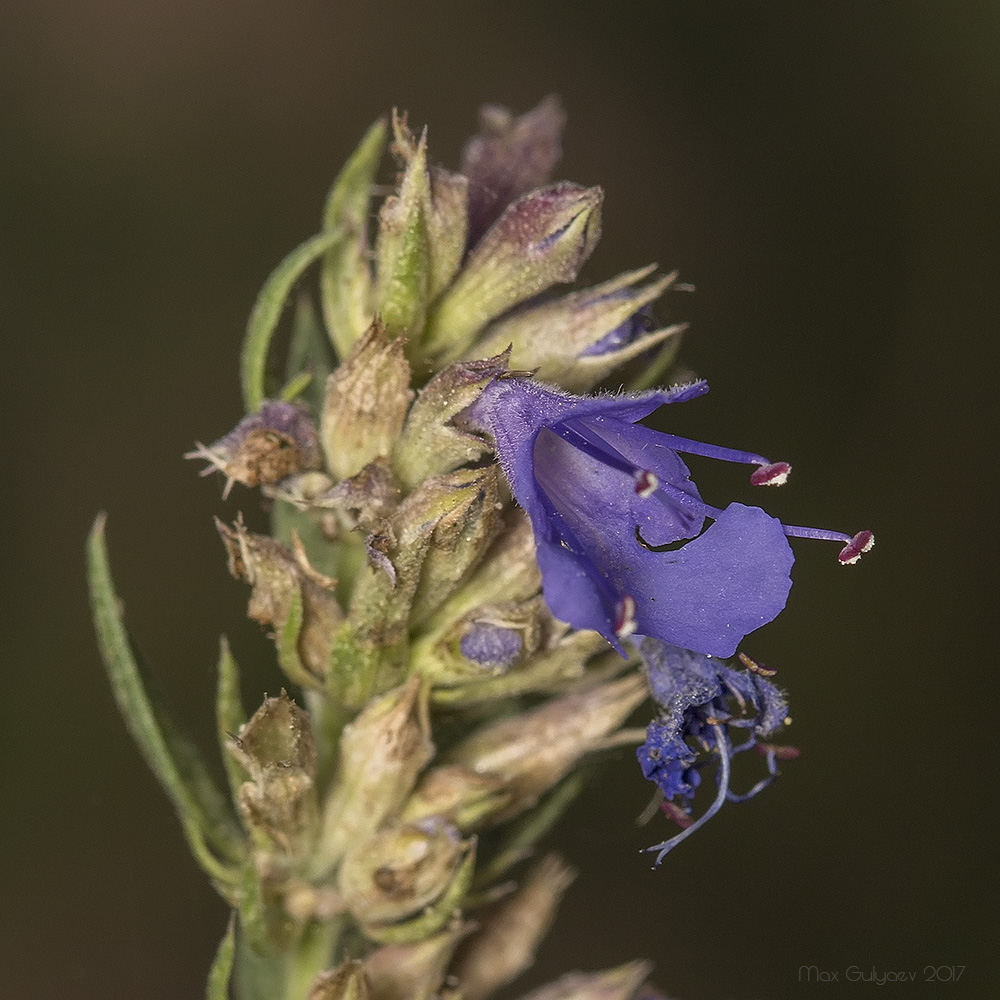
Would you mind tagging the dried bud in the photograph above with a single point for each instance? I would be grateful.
(366, 402)
(542, 239)
(346, 982)
(265, 447)
(511, 932)
(431, 444)
(577, 340)
(277, 749)
(402, 251)
(509, 157)
(532, 751)
(382, 752)
(414, 971)
(395, 874)
(621, 983)
(289, 595)
(458, 794)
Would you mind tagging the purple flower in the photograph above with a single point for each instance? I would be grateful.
(624, 541)
(703, 702)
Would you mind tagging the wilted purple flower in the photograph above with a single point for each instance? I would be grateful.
(702, 701)
(620, 529)
(266, 447)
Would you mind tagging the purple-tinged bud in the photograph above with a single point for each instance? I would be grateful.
(394, 874)
(851, 552)
(346, 982)
(265, 447)
(509, 935)
(509, 157)
(542, 239)
(414, 971)
(489, 645)
(578, 339)
(382, 752)
(622, 983)
(772, 474)
(288, 595)
(535, 749)
(277, 749)
(365, 404)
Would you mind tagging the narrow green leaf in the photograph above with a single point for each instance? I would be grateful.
(267, 311)
(229, 713)
(309, 354)
(208, 824)
(345, 279)
(222, 965)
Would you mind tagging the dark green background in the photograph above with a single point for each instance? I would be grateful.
(821, 171)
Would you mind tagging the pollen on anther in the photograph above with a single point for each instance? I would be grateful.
(774, 474)
(851, 552)
(625, 620)
(646, 482)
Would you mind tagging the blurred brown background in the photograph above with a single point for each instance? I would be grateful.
(821, 171)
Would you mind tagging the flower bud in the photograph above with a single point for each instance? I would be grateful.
(365, 404)
(508, 572)
(509, 157)
(459, 795)
(277, 749)
(402, 251)
(532, 751)
(504, 946)
(621, 983)
(414, 971)
(399, 871)
(577, 340)
(381, 754)
(435, 536)
(542, 239)
(289, 595)
(462, 534)
(346, 982)
(431, 443)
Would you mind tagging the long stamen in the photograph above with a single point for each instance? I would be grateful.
(852, 550)
(668, 845)
(689, 447)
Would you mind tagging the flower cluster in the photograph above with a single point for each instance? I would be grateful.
(418, 590)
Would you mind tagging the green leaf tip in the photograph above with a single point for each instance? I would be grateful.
(267, 312)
